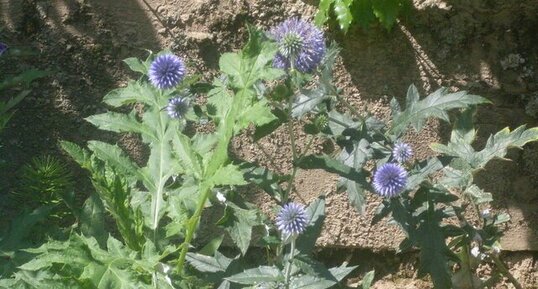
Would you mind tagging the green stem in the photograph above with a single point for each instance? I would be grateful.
(219, 158)
(191, 226)
(308, 145)
(290, 260)
(505, 272)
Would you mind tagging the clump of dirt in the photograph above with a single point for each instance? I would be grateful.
(486, 47)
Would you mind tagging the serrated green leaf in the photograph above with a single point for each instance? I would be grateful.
(258, 114)
(436, 105)
(80, 155)
(339, 122)
(227, 176)
(463, 131)
(323, 12)
(343, 13)
(238, 222)
(306, 100)
(387, 11)
(119, 122)
(421, 171)
(252, 64)
(132, 93)
(190, 160)
(477, 195)
(257, 275)
(136, 65)
(204, 263)
(115, 157)
(361, 152)
(496, 146)
(230, 63)
(328, 164)
(264, 178)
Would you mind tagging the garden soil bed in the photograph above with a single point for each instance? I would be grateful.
(489, 48)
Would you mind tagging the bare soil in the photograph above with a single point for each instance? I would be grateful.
(486, 47)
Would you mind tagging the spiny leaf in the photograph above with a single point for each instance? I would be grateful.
(257, 114)
(323, 12)
(387, 11)
(80, 155)
(115, 156)
(343, 13)
(119, 122)
(132, 93)
(436, 105)
(190, 160)
(496, 146)
(227, 176)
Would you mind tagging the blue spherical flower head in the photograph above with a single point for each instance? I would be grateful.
(402, 152)
(292, 219)
(299, 43)
(166, 71)
(3, 48)
(177, 107)
(390, 180)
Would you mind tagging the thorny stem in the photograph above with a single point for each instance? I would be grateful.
(288, 266)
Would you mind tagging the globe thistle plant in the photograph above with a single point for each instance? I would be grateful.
(177, 107)
(300, 44)
(390, 180)
(3, 48)
(166, 71)
(292, 219)
(402, 152)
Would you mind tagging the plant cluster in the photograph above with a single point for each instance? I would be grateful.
(282, 77)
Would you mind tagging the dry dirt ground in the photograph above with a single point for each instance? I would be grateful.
(487, 47)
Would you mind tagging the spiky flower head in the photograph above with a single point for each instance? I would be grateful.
(299, 43)
(3, 48)
(402, 152)
(166, 71)
(177, 107)
(292, 219)
(390, 180)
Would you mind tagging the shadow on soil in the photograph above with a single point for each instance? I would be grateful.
(81, 44)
